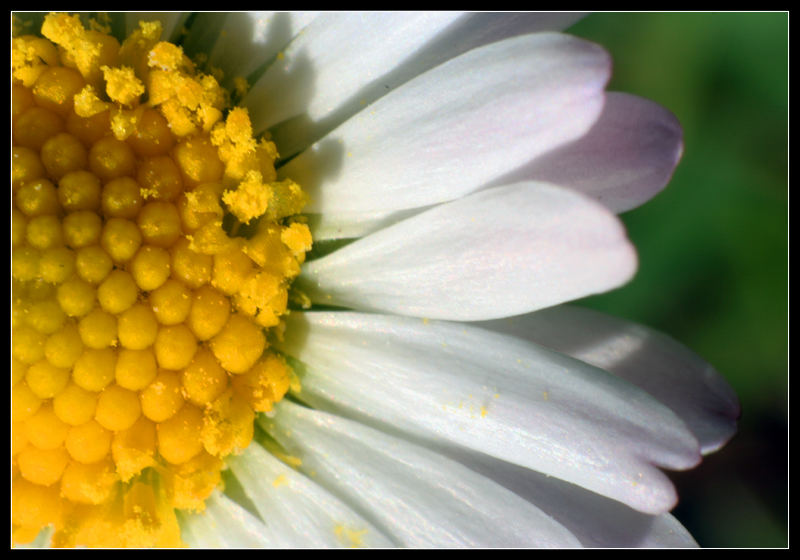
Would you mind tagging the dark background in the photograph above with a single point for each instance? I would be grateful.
(713, 246)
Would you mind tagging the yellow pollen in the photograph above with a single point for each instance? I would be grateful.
(140, 309)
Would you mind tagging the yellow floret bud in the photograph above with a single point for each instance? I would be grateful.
(175, 347)
(79, 190)
(120, 239)
(264, 384)
(231, 269)
(171, 302)
(209, 312)
(94, 369)
(30, 56)
(89, 484)
(179, 437)
(134, 449)
(152, 136)
(201, 205)
(117, 408)
(110, 158)
(82, 229)
(24, 403)
(46, 316)
(227, 425)
(33, 127)
(86, 50)
(93, 264)
(27, 344)
(25, 264)
(37, 197)
(44, 232)
(46, 380)
(198, 161)
(137, 327)
(55, 88)
(117, 292)
(75, 405)
(18, 438)
(88, 443)
(89, 129)
(193, 269)
(135, 48)
(18, 370)
(204, 379)
(122, 198)
(42, 466)
(239, 344)
(136, 369)
(192, 482)
(25, 166)
(45, 430)
(62, 154)
(160, 178)
(264, 297)
(150, 267)
(76, 297)
(98, 329)
(163, 397)
(159, 223)
(64, 347)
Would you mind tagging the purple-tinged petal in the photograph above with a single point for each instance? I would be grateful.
(666, 369)
(496, 253)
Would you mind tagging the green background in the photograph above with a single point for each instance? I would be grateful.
(713, 245)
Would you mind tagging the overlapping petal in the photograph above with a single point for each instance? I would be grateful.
(499, 252)
(249, 40)
(626, 158)
(223, 524)
(365, 75)
(595, 520)
(454, 384)
(666, 369)
(457, 127)
(295, 511)
(336, 56)
(420, 498)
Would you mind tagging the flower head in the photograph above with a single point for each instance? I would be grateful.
(459, 174)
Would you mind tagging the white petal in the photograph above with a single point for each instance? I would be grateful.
(666, 369)
(495, 394)
(223, 524)
(455, 128)
(337, 55)
(499, 252)
(250, 39)
(595, 520)
(623, 161)
(297, 512)
(376, 74)
(419, 497)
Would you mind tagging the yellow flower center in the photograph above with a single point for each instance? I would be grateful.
(141, 311)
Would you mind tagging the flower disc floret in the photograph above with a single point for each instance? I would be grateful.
(139, 347)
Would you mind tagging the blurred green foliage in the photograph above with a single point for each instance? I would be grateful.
(713, 245)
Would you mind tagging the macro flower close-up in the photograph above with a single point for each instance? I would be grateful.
(286, 280)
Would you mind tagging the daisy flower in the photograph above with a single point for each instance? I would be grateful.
(301, 280)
